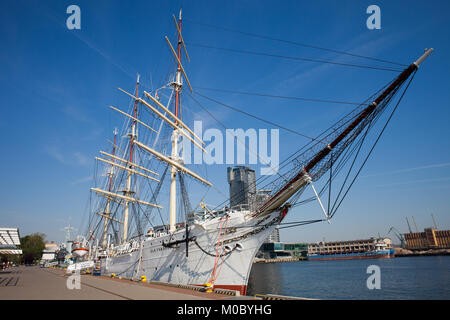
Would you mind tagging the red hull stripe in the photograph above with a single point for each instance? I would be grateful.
(83, 249)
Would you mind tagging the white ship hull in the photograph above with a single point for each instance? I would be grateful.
(244, 236)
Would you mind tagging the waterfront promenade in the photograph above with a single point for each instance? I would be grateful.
(35, 283)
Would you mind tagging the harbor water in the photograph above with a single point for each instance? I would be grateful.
(400, 278)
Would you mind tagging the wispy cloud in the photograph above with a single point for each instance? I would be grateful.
(81, 158)
(413, 181)
(82, 180)
(76, 114)
(54, 152)
(432, 166)
(359, 45)
(104, 55)
(58, 20)
(75, 158)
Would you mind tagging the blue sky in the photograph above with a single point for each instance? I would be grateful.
(56, 85)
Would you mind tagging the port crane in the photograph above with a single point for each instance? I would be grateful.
(399, 236)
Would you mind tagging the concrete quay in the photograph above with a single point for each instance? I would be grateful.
(35, 283)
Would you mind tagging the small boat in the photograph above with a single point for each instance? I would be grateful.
(79, 250)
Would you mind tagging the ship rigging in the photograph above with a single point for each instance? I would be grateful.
(218, 244)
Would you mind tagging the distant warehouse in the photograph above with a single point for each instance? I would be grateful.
(431, 238)
(349, 246)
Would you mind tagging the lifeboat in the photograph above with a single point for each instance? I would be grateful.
(78, 250)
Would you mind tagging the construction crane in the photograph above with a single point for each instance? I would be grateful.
(415, 225)
(409, 227)
(434, 221)
(399, 236)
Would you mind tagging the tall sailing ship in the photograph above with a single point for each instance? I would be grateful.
(215, 246)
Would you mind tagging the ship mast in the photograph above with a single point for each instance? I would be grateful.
(68, 229)
(108, 200)
(131, 169)
(177, 85)
(128, 192)
(180, 129)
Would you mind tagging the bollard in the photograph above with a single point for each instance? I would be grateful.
(208, 287)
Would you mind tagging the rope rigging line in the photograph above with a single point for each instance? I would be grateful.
(254, 35)
(100, 205)
(299, 223)
(141, 219)
(324, 165)
(215, 119)
(219, 122)
(322, 135)
(135, 217)
(219, 249)
(258, 118)
(215, 275)
(341, 164)
(329, 186)
(357, 147)
(155, 194)
(131, 266)
(376, 141)
(294, 58)
(185, 197)
(280, 97)
(118, 180)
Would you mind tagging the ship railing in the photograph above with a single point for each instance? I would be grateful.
(241, 207)
(125, 248)
(206, 215)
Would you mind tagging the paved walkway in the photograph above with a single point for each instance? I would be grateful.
(35, 283)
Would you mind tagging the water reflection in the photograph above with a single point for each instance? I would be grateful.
(265, 278)
(401, 278)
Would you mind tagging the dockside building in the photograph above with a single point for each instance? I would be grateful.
(430, 238)
(350, 246)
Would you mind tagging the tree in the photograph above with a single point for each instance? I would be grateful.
(32, 247)
(14, 258)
